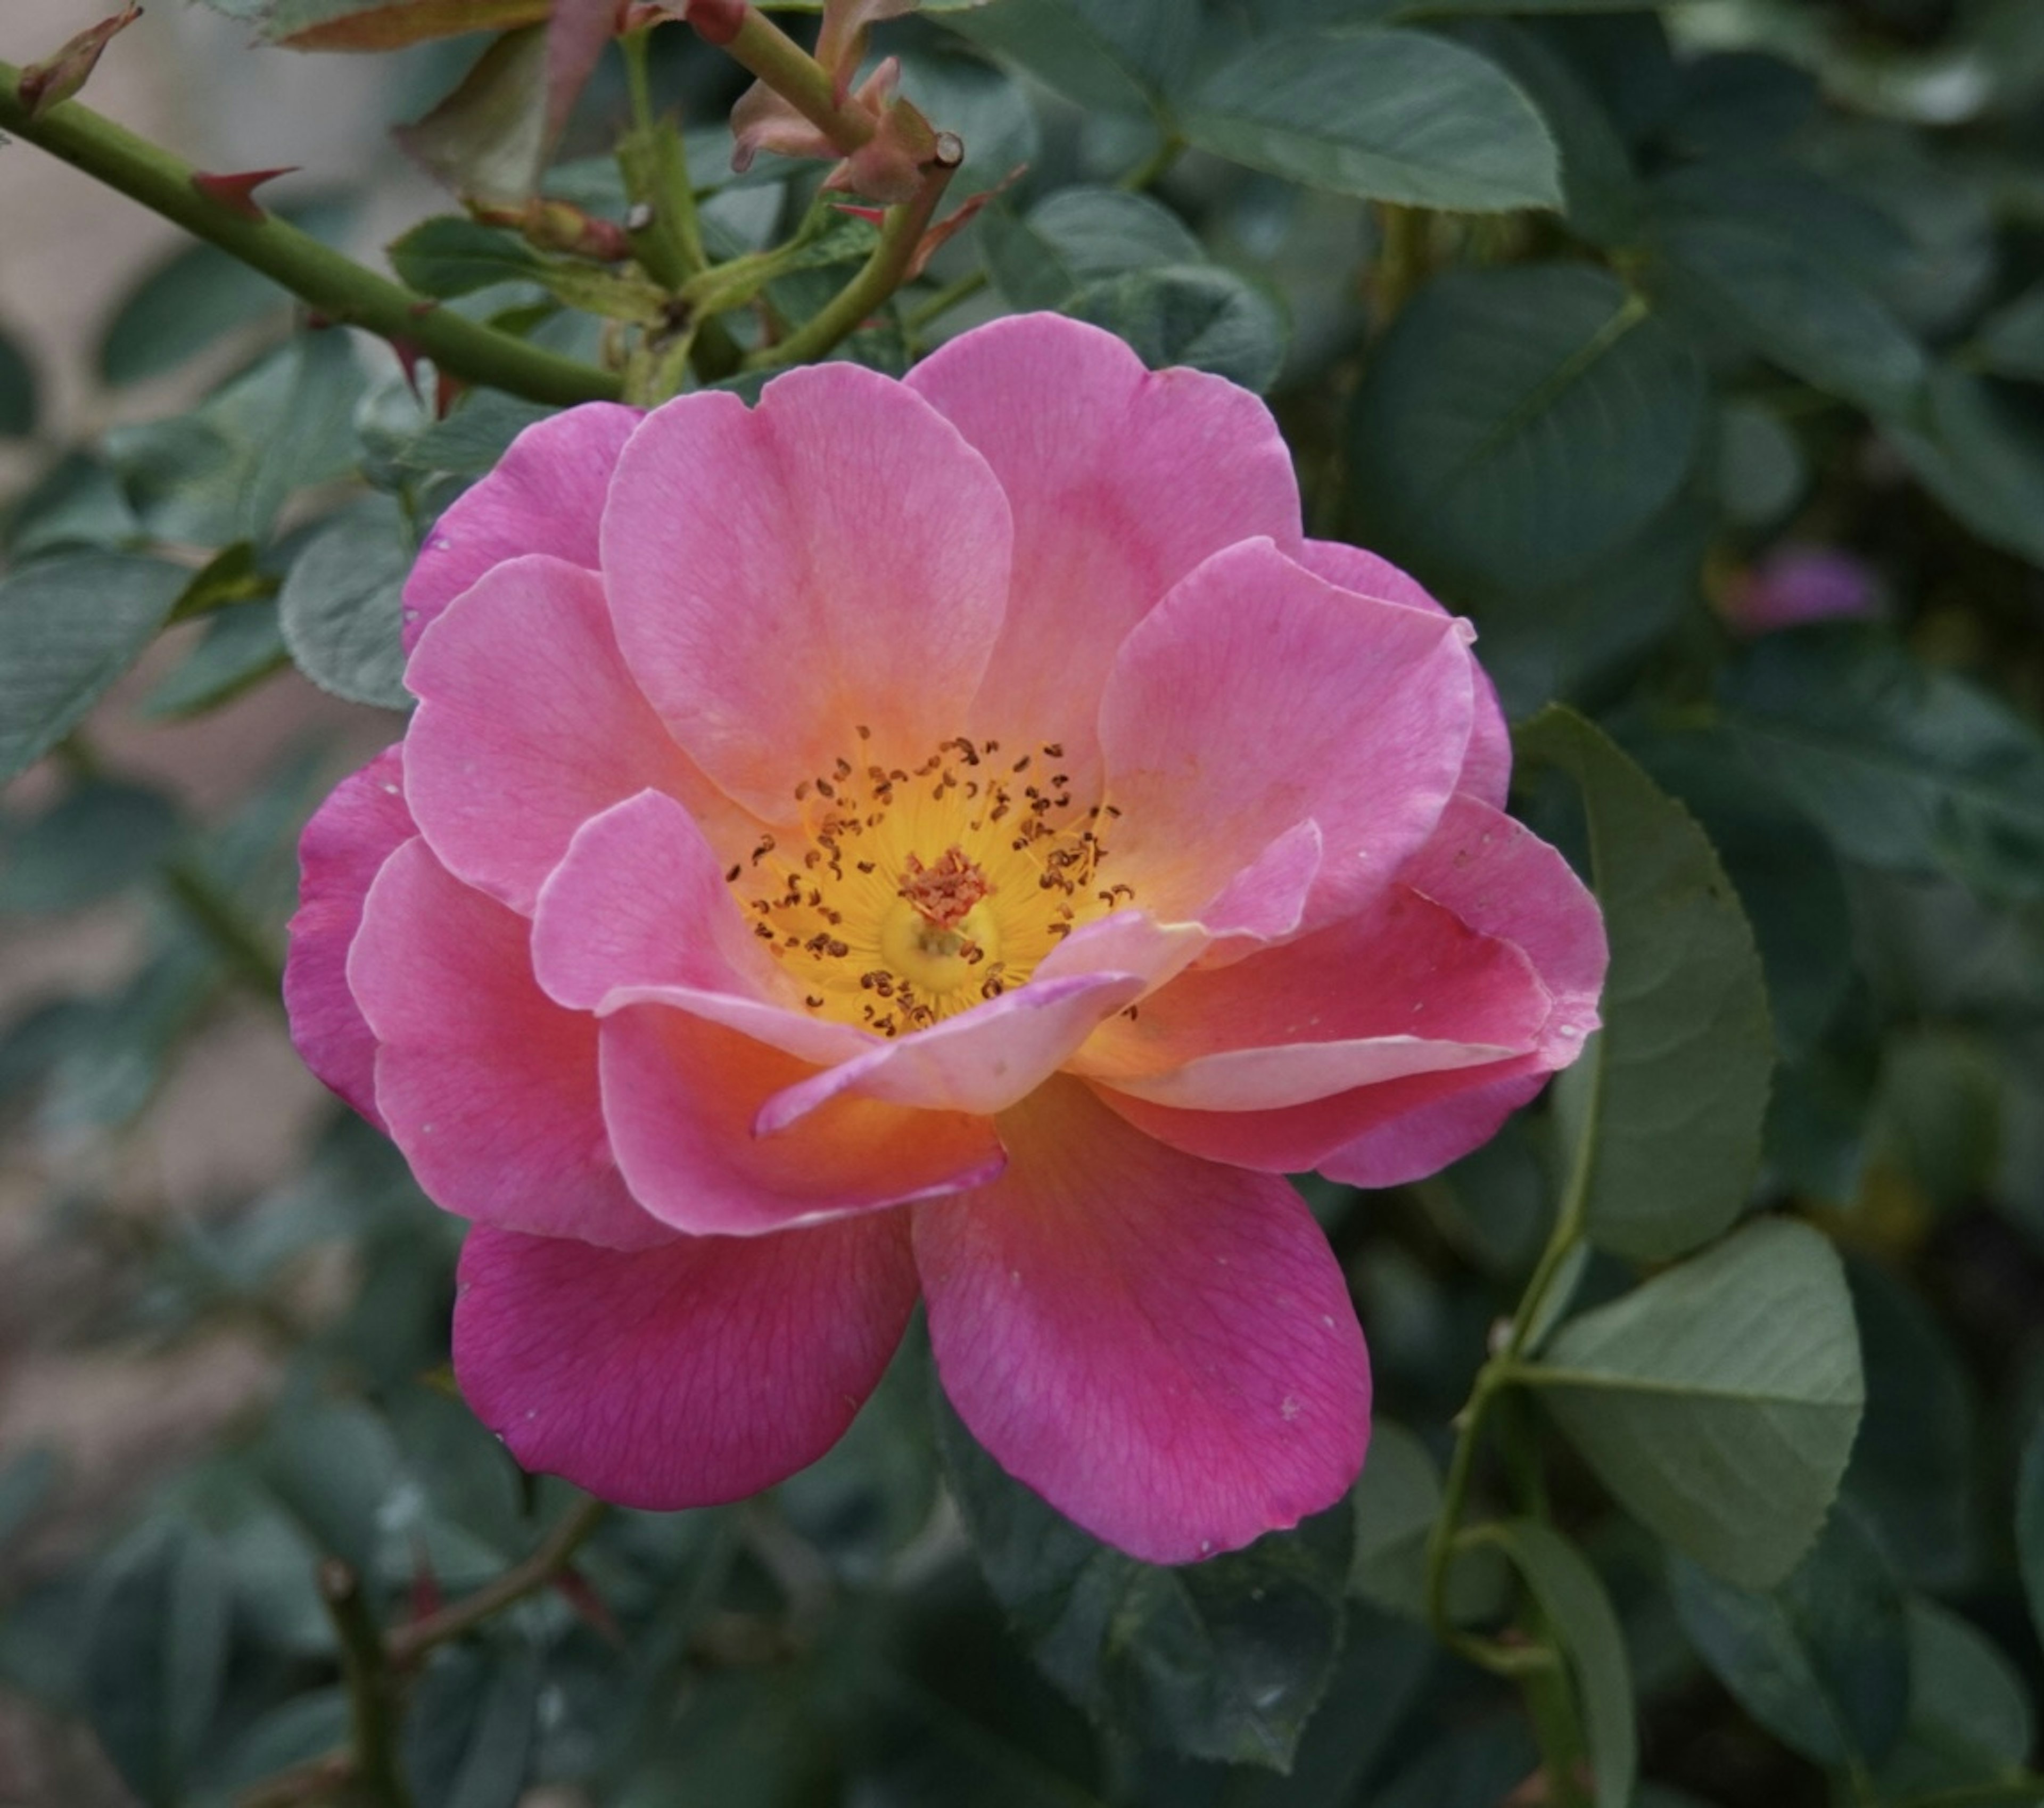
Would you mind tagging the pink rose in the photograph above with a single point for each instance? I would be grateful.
(1796, 585)
(952, 836)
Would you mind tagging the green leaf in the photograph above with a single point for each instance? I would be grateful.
(488, 140)
(18, 391)
(241, 647)
(1984, 459)
(1222, 1659)
(1397, 1498)
(1664, 1109)
(1902, 767)
(1191, 314)
(194, 298)
(1516, 424)
(1970, 1724)
(155, 1657)
(99, 839)
(451, 255)
(1117, 56)
(1077, 235)
(1912, 1464)
(2011, 342)
(1600, 193)
(469, 1736)
(341, 607)
(335, 1465)
(1762, 472)
(77, 503)
(1796, 309)
(2030, 1522)
(69, 626)
(1579, 1618)
(1823, 1661)
(1718, 1401)
(1387, 115)
(471, 439)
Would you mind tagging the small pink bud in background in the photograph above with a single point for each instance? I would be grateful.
(1799, 584)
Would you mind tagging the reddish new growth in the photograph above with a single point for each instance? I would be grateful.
(944, 894)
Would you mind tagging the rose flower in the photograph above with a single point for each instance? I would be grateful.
(952, 837)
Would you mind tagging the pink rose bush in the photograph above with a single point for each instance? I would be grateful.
(954, 837)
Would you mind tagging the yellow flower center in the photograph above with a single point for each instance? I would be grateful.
(911, 895)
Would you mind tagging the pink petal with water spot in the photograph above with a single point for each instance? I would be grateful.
(699, 1372)
(488, 1087)
(1161, 1347)
(546, 495)
(351, 835)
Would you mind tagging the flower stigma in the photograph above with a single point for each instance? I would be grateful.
(912, 895)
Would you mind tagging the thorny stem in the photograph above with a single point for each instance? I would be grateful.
(408, 1643)
(339, 287)
(882, 273)
(371, 1690)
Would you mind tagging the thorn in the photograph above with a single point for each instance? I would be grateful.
(237, 193)
(575, 1588)
(49, 83)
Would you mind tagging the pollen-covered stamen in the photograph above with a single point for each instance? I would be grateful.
(875, 932)
(944, 894)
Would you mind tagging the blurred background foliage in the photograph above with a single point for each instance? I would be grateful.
(1693, 351)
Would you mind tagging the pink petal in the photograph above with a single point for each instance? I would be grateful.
(697, 1372)
(1266, 901)
(1501, 879)
(640, 900)
(1404, 986)
(1163, 1348)
(1255, 697)
(979, 1062)
(680, 1094)
(1374, 1136)
(349, 837)
(489, 1088)
(782, 576)
(1487, 767)
(1121, 480)
(546, 495)
(529, 725)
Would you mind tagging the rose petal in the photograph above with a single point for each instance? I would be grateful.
(1163, 1348)
(489, 1088)
(1121, 480)
(349, 837)
(640, 901)
(697, 1372)
(1255, 695)
(529, 725)
(781, 576)
(546, 495)
(1486, 772)
(980, 1062)
(680, 1094)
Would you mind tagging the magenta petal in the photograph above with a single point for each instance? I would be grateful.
(639, 900)
(1122, 480)
(697, 1372)
(1487, 767)
(546, 495)
(1403, 987)
(528, 725)
(349, 837)
(1256, 696)
(680, 1094)
(1163, 1348)
(1374, 1136)
(980, 1062)
(782, 576)
(488, 1087)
